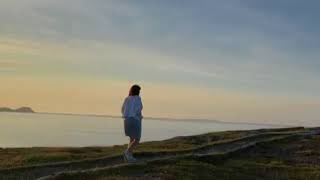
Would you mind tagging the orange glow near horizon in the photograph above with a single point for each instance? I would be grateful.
(106, 96)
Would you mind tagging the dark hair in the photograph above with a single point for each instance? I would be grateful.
(134, 90)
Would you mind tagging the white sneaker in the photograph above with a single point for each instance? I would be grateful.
(132, 158)
(128, 157)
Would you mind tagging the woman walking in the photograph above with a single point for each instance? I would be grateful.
(132, 114)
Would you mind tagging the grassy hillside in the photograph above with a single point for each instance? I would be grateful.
(258, 154)
(14, 157)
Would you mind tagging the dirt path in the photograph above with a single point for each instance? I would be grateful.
(48, 171)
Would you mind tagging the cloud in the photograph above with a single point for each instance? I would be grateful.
(264, 56)
(6, 67)
(233, 44)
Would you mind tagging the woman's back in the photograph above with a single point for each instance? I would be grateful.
(132, 107)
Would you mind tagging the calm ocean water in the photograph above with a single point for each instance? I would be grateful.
(34, 130)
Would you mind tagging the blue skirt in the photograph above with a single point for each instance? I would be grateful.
(132, 127)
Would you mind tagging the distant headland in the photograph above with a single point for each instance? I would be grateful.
(20, 110)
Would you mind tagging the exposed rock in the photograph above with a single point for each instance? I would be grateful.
(22, 110)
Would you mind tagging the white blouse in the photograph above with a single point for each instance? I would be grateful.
(132, 107)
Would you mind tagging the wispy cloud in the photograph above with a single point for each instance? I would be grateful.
(264, 48)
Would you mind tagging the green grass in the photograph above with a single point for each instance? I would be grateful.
(15, 157)
(277, 160)
(292, 158)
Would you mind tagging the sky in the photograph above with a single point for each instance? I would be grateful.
(237, 60)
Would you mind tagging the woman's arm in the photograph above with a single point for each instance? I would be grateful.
(123, 107)
(139, 108)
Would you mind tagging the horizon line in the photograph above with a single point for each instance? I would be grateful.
(201, 120)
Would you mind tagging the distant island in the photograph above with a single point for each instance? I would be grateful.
(20, 110)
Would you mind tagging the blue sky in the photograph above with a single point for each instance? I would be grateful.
(265, 48)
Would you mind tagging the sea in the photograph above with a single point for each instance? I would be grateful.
(61, 130)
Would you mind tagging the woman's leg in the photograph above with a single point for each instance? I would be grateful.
(134, 135)
(131, 139)
(133, 144)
